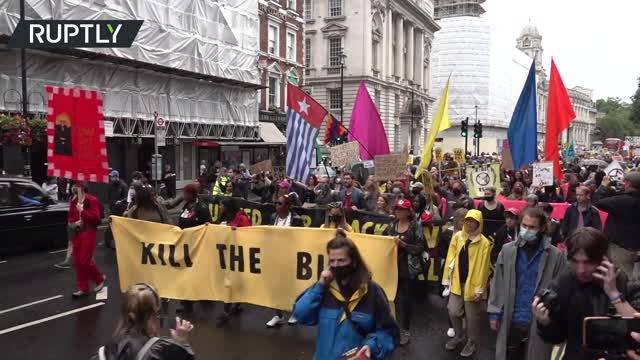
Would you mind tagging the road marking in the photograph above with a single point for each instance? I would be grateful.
(3, 261)
(31, 303)
(57, 251)
(15, 328)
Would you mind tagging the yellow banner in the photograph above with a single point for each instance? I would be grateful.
(263, 265)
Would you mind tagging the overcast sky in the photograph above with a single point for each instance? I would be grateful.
(594, 43)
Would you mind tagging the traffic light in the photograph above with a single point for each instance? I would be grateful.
(464, 126)
(477, 130)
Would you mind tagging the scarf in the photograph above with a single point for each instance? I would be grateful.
(353, 301)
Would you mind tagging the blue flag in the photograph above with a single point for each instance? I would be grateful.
(522, 131)
(570, 151)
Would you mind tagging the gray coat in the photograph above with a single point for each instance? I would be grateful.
(503, 294)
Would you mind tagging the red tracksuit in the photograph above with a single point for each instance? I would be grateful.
(84, 241)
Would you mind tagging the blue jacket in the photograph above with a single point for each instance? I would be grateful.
(317, 307)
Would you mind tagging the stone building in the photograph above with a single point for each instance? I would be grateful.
(386, 44)
(580, 129)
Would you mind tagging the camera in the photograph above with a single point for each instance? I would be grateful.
(550, 300)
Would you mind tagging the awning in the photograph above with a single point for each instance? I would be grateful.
(270, 134)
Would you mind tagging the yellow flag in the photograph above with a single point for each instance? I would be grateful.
(440, 122)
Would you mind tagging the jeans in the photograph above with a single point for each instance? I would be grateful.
(404, 301)
(517, 340)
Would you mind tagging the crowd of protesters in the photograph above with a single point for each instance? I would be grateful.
(497, 260)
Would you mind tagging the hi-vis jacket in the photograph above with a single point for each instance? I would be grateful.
(479, 262)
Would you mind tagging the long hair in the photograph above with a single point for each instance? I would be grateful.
(139, 312)
(361, 275)
(230, 209)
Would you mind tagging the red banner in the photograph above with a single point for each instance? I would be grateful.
(75, 133)
(558, 208)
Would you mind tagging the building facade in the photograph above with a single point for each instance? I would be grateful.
(581, 129)
(281, 55)
(386, 44)
(199, 72)
(486, 73)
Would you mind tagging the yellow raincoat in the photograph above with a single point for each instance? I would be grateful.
(479, 262)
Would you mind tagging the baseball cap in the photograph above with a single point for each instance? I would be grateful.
(513, 211)
(114, 173)
(403, 204)
(284, 185)
(417, 185)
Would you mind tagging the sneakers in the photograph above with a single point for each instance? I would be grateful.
(451, 333)
(292, 321)
(468, 350)
(78, 294)
(101, 285)
(454, 343)
(66, 264)
(405, 337)
(275, 321)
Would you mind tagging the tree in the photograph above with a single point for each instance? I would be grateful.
(634, 116)
(615, 122)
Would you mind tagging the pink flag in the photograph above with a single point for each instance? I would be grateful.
(366, 126)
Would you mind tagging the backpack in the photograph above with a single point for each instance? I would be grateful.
(139, 356)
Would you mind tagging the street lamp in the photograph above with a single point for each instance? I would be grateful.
(343, 57)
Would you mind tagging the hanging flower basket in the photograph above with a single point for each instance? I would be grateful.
(14, 130)
(38, 130)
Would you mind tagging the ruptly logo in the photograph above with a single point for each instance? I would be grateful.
(58, 34)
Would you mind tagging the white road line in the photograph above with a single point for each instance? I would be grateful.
(3, 261)
(31, 303)
(15, 328)
(57, 251)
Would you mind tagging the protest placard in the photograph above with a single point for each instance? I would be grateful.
(542, 174)
(458, 155)
(391, 167)
(439, 155)
(480, 177)
(614, 171)
(345, 154)
(265, 166)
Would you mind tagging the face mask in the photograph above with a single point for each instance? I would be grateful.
(517, 191)
(528, 235)
(457, 192)
(396, 191)
(342, 272)
(490, 198)
(367, 193)
(416, 191)
(336, 219)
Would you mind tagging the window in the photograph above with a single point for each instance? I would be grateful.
(307, 52)
(291, 4)
(27, 195)
(274, 92)
(308, 4)
(5, 195)
(335, 99)
(274, 34)
(291, 46)
(374, 58)
(335, 7)
(397, 105)
(335, 50)
(376, 98)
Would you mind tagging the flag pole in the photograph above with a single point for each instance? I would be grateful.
(358, 141)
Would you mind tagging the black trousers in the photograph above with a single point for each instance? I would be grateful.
(404, 301)
(517, 341)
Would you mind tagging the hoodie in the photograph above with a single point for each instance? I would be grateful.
(479, 250)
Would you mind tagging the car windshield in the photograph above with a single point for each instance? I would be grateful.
(27, 195)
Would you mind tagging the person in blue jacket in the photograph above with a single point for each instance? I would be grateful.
(351, 311)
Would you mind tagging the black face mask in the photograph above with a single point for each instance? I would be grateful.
(490, 198)
(457, 192)
(342, 273)
(416, 191)
(335, 218)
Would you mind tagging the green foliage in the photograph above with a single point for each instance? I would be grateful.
(634, 115)
(616, 120)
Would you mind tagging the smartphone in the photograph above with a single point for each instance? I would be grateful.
(610, 333)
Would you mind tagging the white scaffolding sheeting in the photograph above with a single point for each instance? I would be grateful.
(486, 69)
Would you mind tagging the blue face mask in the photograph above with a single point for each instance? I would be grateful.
(528, 235)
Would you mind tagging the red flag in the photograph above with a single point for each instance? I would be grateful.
(75, 131)
(559, 114)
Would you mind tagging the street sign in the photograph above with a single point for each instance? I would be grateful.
(156, 167)
(108, 128)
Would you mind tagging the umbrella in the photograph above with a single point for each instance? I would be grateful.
(593, 162)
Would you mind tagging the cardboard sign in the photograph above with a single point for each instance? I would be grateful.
(632, 140)
(479, 177)
(391, 167)
(438, 155)
(542, 174)
(614, 171)
(368, 164)
(507, 161)
(458, 155)
(345, 154)
(257, 168)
